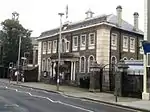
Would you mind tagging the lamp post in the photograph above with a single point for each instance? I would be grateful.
(18, 64)
(59, 50)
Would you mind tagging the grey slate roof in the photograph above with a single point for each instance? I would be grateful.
(111, 18)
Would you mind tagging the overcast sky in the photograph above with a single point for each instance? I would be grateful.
(42, 15)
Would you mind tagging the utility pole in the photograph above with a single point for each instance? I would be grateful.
(18, 65)
(59, 50)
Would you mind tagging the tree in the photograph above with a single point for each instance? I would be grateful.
(11, 31)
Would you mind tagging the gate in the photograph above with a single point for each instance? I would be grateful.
(108, 78)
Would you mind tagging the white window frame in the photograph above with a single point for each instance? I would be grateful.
(44, 45)
(67, 49)
(91, 46)
(132, 48)
(125, 48)
(75, 47)
(49, 47)
(84, 64)
(140, 46)
(43, 64)
(114, 37)
(54, 49)
(82, 47)
(89, 62)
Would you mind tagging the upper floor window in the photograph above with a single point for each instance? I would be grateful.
(114, 41)
(63, 45)
(140, 46)
(82, 42)
(75, 43)
(91, 40)
(67, 46)
(125, 43)
(49, 46)
(54, 46)
(44, 47)
(132, 44)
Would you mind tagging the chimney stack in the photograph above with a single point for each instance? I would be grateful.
(119, 15)
(136, 21)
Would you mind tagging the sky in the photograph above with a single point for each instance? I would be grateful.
(42, 15)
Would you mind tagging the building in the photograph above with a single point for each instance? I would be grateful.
(105, 38)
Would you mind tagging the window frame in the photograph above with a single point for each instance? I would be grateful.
(82, 47)
(75, 47)
(81, 64)
(132, 48)
(44, 45)
(54, 50)
(125, 48)
(89, 62)
(114, 36)
(43, 65)
(49, 47)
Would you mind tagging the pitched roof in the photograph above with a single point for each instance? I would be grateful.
(111, 19)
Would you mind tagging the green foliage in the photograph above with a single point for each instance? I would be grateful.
(12, 30)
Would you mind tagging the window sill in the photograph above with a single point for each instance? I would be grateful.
(125, 49)
(132, 51)
(91, 47)
(114, 47)
(82, 48)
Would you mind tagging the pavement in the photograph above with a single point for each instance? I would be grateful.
(84, 94)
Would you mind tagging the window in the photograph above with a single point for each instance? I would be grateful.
(125, 43)
(90, 61)
(113, 62)
(140, 46)
(44, 47)
(114, 41)
(125, 58)
(91, 41)
(75, 43)
(49, 46)
(63, 45)
(67, 46)
(43, 65)
(48, 64)
(131, 58)
(132, 44)
(54, 46)
(82, 64)
(82, 42)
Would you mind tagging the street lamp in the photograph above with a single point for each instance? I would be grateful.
(18, 64)
(59, 49)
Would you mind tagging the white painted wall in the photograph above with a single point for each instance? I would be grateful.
(103, 45)
(39, 59)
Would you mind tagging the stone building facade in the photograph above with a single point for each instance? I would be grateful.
(105, 38)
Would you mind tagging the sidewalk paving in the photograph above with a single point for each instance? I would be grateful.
(108, 98)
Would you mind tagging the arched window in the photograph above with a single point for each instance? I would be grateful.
(82, 64)
(131, 59)
(125, 58)
(43, 65)
(113, 60)
(90, 61)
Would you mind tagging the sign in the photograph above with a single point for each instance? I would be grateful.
(146, 46)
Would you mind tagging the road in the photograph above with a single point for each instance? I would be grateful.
(21, 99)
